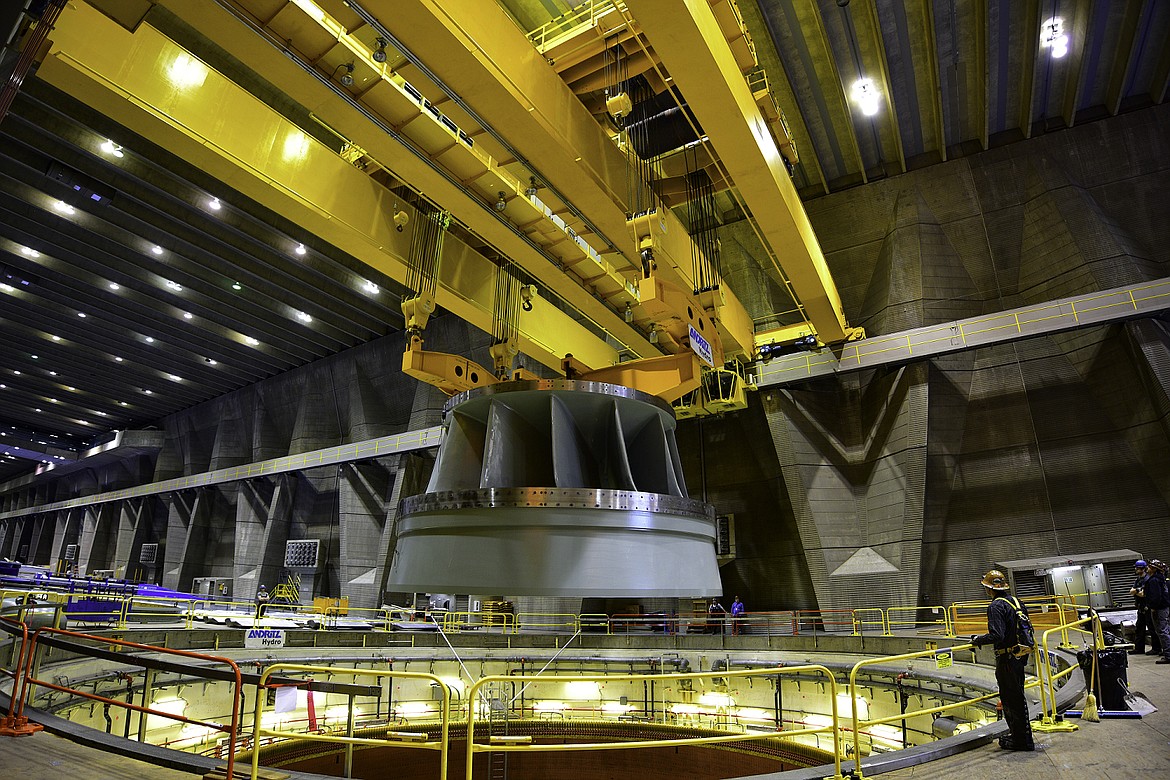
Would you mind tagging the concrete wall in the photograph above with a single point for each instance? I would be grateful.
(905, 484)
(893, 486)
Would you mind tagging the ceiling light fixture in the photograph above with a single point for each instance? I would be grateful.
(63, 207)
(109, 147)
(118, 359)
(82, 314)
(501, 204)
(174, 378)
(7, 288)
(237, 286)
(304, 316)
(211, 362)
(300, 250)
(251, 341)
(158, 250)
(150, 339)
(24, 250)
(174, 286)
(867, 97)
(187, 315)
(123, 403)
(379, 54)
(115, 286)
(370, 287)
(347, 77)
(1053, 37)
(214, 204)
(55, 338)
(148, 392)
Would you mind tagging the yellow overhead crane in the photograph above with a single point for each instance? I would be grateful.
(652, 305)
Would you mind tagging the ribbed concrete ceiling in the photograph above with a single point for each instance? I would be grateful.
(165, 329)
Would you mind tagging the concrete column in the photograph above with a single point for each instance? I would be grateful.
(260, 531)
(364, 489)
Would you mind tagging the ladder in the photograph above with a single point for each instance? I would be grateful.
(497, 727)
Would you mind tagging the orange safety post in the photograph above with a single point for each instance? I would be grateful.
(232, 730)
(15, 725)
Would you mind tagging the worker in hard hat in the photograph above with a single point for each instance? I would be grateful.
(1003, 631)
(1158, 600)
(1145, 619)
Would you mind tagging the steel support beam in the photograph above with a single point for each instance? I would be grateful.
(691, 45)
(346, 453)
(1145, 299)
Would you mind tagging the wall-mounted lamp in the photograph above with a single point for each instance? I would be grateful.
(379, 54)
(347, 77)
(501, 204)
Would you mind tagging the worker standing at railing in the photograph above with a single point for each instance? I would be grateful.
(737, 616)
(1009, 669)
(1158, 600)
(1145, 620)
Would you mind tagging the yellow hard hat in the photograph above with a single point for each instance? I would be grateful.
(995, 580)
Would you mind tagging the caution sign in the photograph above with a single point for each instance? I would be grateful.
(944, 659)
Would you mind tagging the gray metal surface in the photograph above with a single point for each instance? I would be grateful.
(557, 488)
(1123, 303)
(346, 453)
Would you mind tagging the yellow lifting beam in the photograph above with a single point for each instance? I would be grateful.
(686, 36)
(481, 55)
(151, 85)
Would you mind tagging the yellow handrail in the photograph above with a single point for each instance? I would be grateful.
(473, 748)
(445, 714)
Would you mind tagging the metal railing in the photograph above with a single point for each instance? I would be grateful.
(405, 739)
(24, 671)
(43, 637)
(507, 744)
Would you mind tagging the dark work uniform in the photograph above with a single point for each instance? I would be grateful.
(1009, 671)
(1145, 621)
